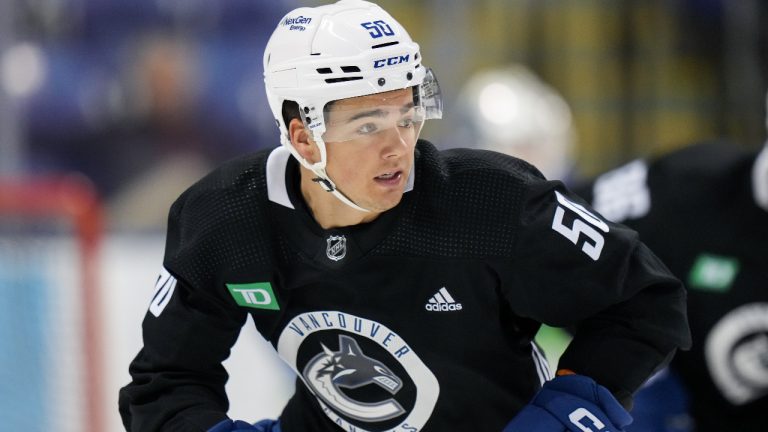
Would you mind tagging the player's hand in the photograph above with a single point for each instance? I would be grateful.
(233, 426)
(571, 403)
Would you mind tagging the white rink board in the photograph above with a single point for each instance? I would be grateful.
(42, 362)
(259, 385)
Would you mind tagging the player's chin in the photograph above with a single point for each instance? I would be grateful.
(385, 201)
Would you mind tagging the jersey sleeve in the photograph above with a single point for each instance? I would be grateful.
(177, 377)
(573, 268)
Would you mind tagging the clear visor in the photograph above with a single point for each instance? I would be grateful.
(369, 117)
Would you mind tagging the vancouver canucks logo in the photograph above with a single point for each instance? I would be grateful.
(348, 367)
(364, 375)
(336, 248)
(736, 350)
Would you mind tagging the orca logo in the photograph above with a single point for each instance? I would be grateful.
(355, 382)
(350, 368)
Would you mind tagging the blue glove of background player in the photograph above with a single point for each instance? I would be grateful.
(241, 426)
(571, 403)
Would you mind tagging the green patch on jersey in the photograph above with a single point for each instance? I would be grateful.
(713, 273)
(258, 295)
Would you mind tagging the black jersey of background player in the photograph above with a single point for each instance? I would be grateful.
(696, 210)
(421, 320)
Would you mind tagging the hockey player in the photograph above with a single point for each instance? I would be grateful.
(402, 284)
(510, 109)
(704, 211)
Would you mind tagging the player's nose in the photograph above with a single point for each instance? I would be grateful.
(395, 143)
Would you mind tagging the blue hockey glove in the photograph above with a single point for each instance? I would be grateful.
(571, 403)
(233, 426)
(241, 426)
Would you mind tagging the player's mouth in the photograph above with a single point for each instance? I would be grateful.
(389, 179)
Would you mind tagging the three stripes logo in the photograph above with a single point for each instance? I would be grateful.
(442, 301)
(163, 291)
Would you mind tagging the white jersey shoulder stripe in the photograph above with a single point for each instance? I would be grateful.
(277, 190)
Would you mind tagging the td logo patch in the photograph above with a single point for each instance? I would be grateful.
(257, 295)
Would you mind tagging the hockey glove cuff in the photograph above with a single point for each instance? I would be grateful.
(232, 426)
(266, 425)
(571, 403)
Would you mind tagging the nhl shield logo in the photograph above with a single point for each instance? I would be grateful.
(337, 247)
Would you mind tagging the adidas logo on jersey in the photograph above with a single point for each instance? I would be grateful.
(442, 302)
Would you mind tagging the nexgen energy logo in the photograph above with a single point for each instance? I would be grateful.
(340, 364)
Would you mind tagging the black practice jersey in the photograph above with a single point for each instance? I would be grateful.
(695, 208)
(421, 320)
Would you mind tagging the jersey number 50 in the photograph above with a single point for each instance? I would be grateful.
(593, 246)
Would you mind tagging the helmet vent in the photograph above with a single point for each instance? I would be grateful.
(385, 44)
(324, 70)
(338, 80)
(349, 69)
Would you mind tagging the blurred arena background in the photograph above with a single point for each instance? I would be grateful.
(109, 109)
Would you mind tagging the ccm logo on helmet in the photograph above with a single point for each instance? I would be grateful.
(391, 61)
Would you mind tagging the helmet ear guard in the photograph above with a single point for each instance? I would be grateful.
(344, 50)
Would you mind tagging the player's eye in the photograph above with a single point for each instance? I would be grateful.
(367, 129)
(405, 123)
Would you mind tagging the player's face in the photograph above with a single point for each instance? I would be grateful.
(370, 144)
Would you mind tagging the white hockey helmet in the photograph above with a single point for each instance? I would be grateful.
(760, 170)
(348, 49)
(511, 110)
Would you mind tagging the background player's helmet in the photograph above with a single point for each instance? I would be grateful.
(760, 170)
(512, 111)
(347, 49)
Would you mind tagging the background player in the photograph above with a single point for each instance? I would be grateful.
(704, 210)
(391, 277)
(511, 110)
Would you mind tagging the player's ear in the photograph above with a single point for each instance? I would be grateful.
(302, 141)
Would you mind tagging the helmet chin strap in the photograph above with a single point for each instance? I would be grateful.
(318, 169)
(329, 186)
(760, 178)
